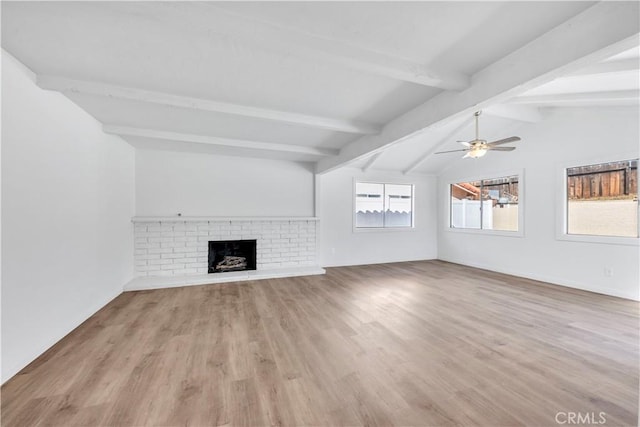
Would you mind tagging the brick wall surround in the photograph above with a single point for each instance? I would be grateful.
(179, 248)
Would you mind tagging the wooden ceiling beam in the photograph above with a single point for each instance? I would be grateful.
(72, 86)
(371, 161)
(603, 30)
(573, 98)
(521, 113)
(308, 46)
(213, 140)
(610, 67)
(434, 147)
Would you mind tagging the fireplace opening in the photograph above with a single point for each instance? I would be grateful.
(232, 255)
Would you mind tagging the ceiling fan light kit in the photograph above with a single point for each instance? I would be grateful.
(477, 147)
(476, 154)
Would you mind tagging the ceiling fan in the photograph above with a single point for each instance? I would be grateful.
(478, 147)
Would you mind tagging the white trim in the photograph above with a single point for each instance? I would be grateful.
(603, 240)
(520, 173)
(377, 261)
(355, 229)
(548, 279)
(383, 229)
(561, 198)
(162, 282)
(503, 233)
(75, 323)
(136, 219)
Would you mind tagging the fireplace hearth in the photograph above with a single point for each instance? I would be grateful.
(232, 255)
(282, 243)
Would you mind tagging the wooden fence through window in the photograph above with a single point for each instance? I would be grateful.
(607, 180)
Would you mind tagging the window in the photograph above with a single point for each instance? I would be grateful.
(383, 205)
(488, 204)
(602, 199)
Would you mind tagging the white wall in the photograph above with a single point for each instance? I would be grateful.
(587, 135)
(193, 184)
(67, 202)
(341, 245)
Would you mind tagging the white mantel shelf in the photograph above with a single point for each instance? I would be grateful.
(136, 219)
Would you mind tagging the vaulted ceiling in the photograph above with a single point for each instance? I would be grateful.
(371, 84)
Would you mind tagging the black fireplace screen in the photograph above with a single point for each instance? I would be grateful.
(232, 255)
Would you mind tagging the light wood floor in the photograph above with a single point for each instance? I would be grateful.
(419, 343)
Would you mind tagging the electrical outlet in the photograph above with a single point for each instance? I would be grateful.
(608, 272)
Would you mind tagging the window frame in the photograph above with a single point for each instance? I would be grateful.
(562, 202)
(383, 229)
(520, 173)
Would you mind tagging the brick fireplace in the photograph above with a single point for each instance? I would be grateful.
(178, 248)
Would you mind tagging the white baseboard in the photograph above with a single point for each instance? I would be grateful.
(547, 279)
(55, 338)
(385, 261)
(161, 282)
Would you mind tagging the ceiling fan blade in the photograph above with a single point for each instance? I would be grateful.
(451, 151)
(501, 148)
(504, 141)
(465, 143)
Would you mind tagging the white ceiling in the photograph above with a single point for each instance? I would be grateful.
(316, 81)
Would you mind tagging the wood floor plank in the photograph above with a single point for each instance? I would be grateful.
(424, 343)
